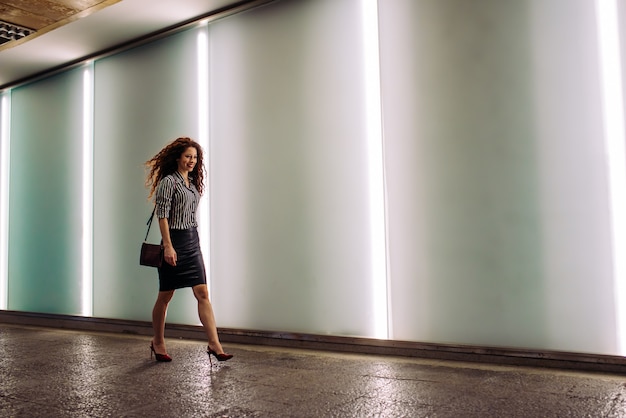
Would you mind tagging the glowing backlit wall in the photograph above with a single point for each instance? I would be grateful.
(44, 257)
(497, 171)
(5, 146)
(289, 189)
(426, 170)
(143, 98)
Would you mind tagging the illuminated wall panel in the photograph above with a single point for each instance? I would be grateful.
(290, 210)
(45, 199)
(87, 192)
(498, 201)
(614, 135)
(144, 98)
(5, 132)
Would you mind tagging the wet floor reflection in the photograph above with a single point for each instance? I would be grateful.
(52, 373)
(84, 382)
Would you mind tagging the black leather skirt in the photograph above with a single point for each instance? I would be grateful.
(189, 270)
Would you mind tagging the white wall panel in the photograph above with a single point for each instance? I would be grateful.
(290, 225)
(498, 203)
(5, 146)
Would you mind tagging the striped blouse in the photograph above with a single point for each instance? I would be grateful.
(177, 202)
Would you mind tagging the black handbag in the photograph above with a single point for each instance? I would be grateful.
(151, 254)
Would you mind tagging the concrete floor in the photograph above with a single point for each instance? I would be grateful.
(59, 373)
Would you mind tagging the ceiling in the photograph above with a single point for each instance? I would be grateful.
(66, 31)
(43, 15)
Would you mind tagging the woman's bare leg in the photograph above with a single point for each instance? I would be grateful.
(158, 320)
(205, 312)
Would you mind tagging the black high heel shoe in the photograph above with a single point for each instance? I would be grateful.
(219, 357)
(159, 357)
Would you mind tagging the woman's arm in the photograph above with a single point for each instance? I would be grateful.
(168, 249)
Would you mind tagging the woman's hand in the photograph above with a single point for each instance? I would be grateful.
(170, 255)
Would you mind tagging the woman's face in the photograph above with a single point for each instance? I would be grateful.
(188, 160)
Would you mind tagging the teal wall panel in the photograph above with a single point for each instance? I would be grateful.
(144, 98)
(45, 196)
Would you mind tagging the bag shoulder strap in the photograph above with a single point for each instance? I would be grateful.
(149, 223)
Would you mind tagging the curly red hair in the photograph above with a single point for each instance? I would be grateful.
(164, 163)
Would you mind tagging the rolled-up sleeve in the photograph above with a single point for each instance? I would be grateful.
(164, 194)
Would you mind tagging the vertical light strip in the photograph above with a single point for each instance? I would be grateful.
(5, 137)
(203, 139)
(377, 199)
(613, 113)
(87, 191)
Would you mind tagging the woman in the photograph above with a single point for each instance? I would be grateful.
(176, 179)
